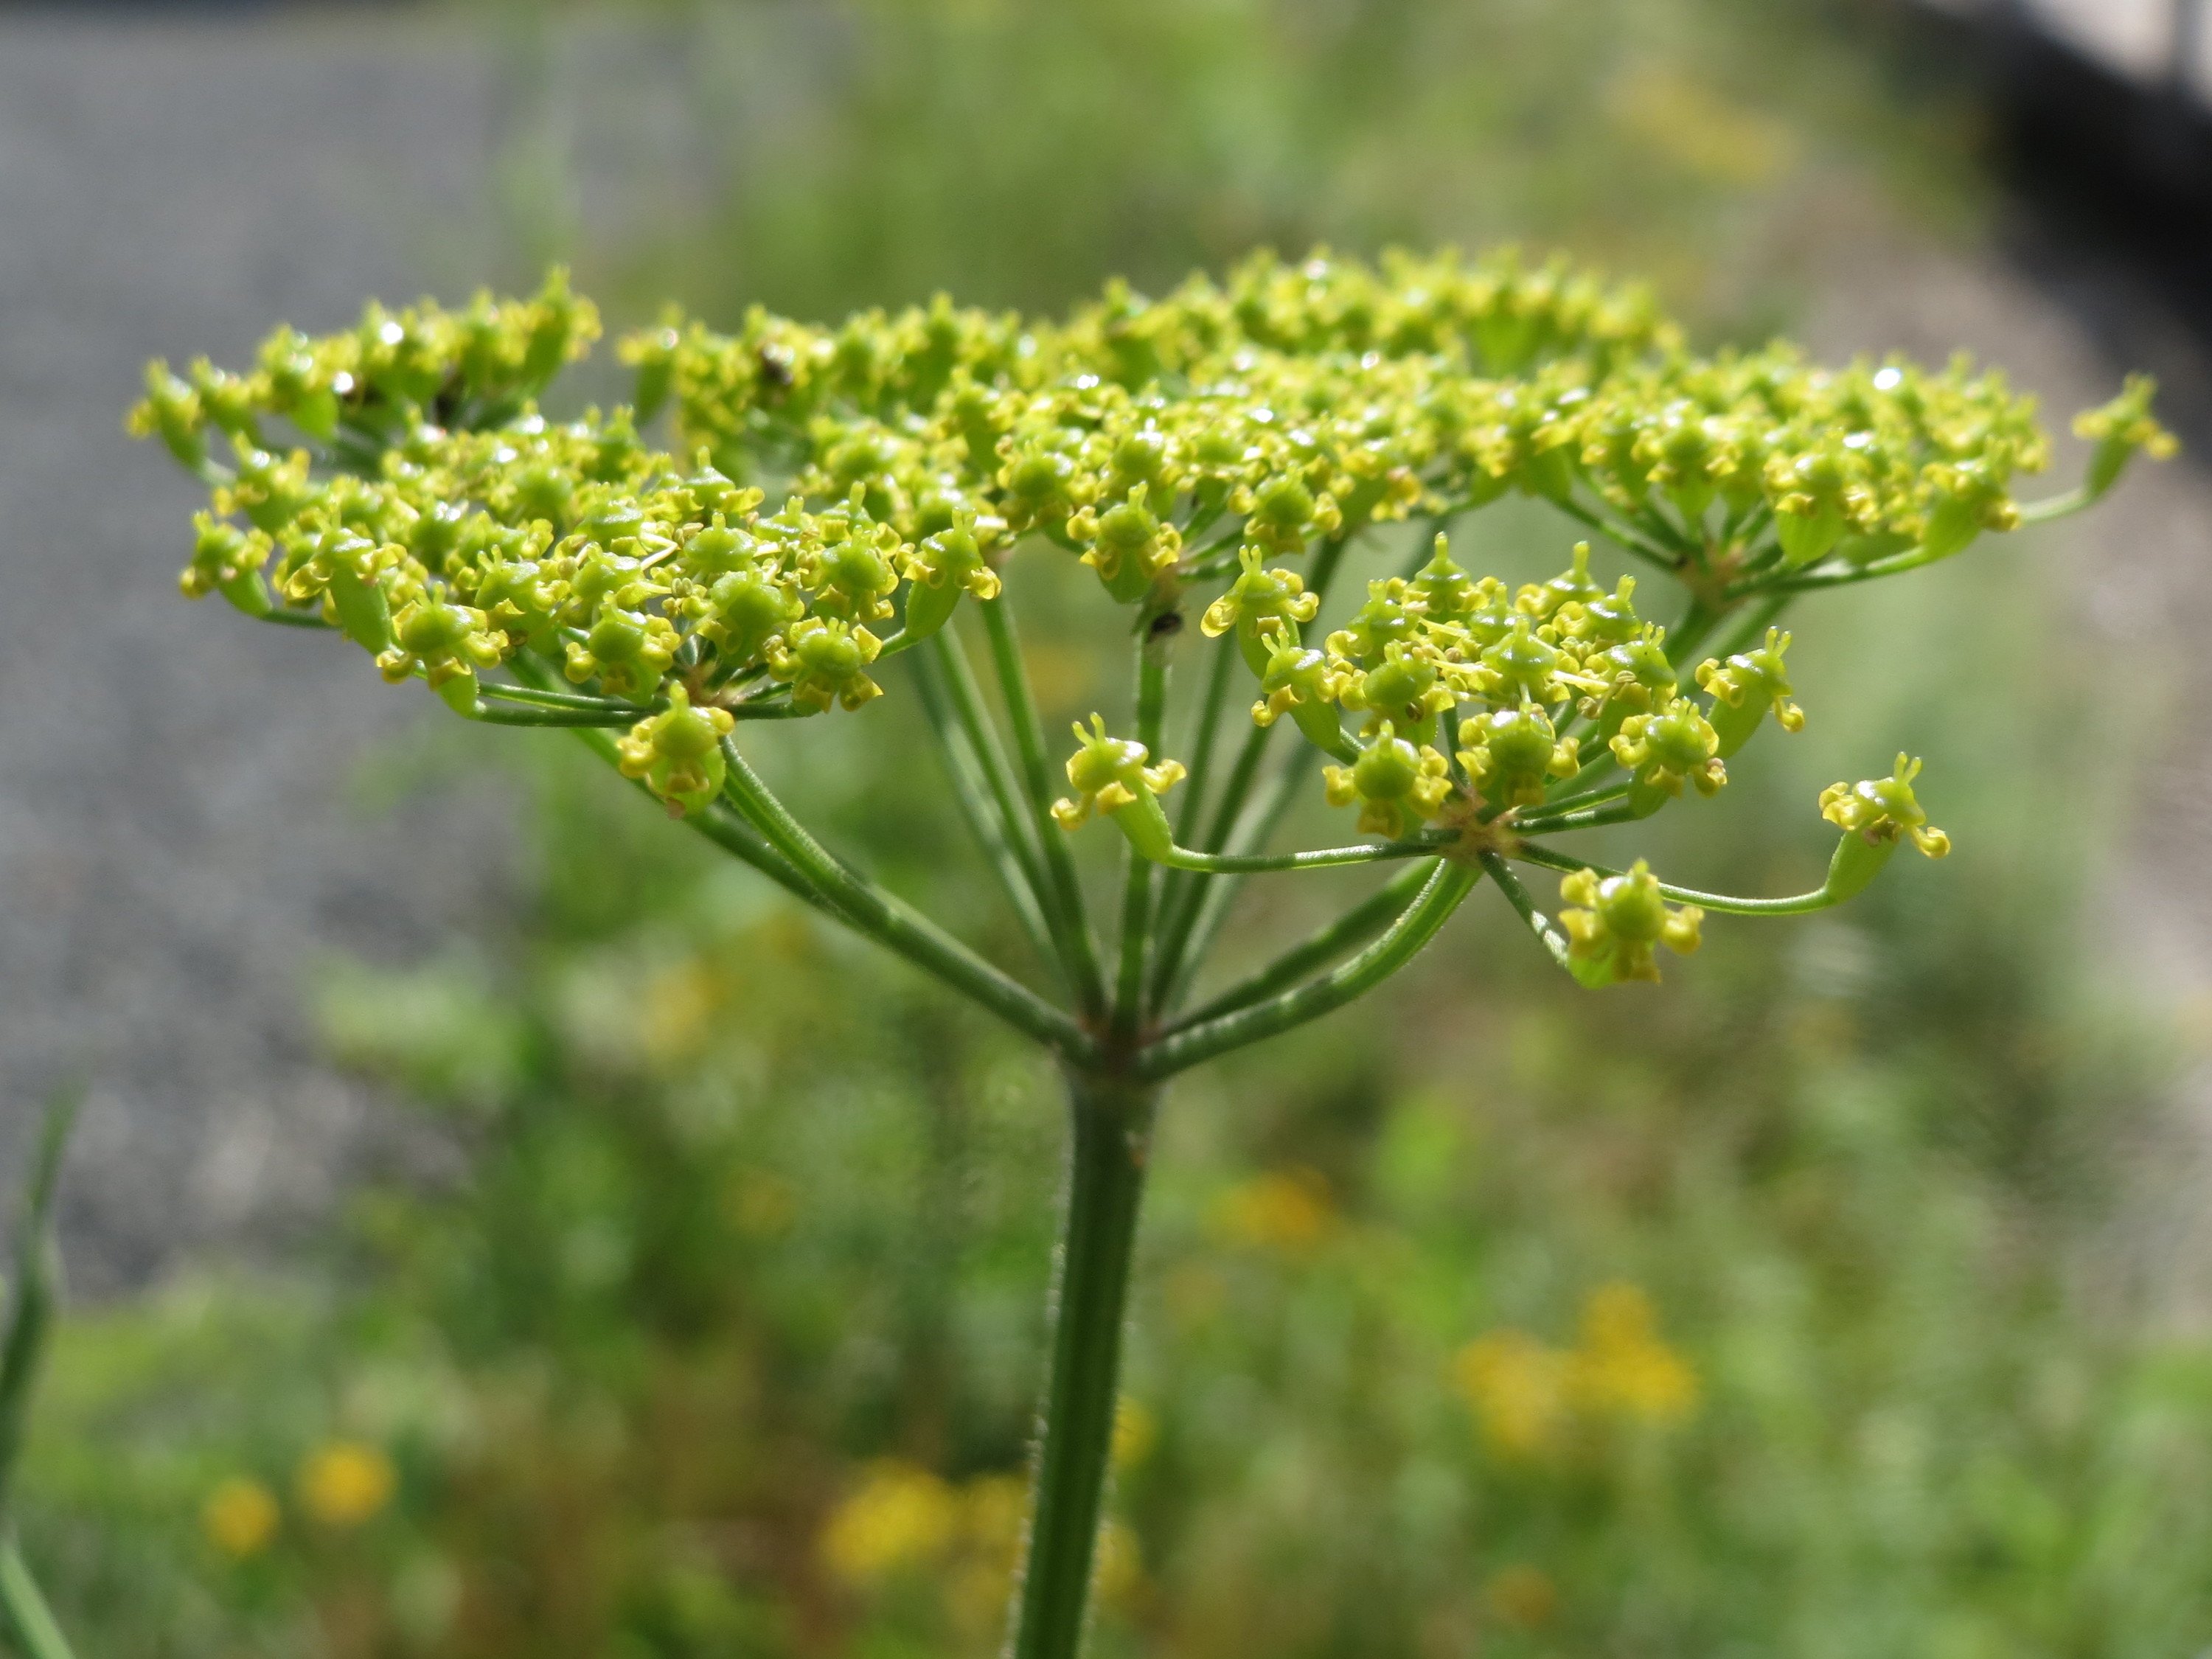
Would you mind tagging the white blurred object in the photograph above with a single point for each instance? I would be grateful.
(2137, 39)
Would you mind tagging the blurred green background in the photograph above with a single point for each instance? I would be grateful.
(1773, 1311)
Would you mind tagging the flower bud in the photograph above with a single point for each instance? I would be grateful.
(824, 660)
(945, 566)
(2121, 430)
(1259, 596)
(1669, 748)
(1746, 687)
(1883, 810)
(1303, 682)
(1109, 775)
(1129, 546)
(1397, 786)
(1513, 753)
(677, 753)
(1618, 923)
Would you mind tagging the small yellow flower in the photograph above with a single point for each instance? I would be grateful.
(240, 1517)
(1516, 1386)
(1286, 1211)
(345, 1482)
(901, 1516)
(1622, 1366)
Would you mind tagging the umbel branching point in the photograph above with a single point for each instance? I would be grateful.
(829, 498)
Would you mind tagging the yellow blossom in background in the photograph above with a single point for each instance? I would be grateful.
(1119, 1575)
(1135, 1430)
(1622, 1365)
(1516, 1385)
(345, 1482)
(1525, 1393)
(240, 1517)
(1523, 1596)
(680, 1005)
(1287, 1211)
(994, 1508)
(901, 1516)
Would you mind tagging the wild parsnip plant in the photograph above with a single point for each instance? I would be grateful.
(833, 498)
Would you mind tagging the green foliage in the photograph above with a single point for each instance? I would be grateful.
(725, 1343)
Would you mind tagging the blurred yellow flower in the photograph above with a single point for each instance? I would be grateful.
(1523, 1596)
(900, 1515)
(1135, 1430)
(1622, 1365)
(979, 1584)
(680, 1005)
(345, 1482)
(1287, 1211)
(1119, 1574)
(240, 1517)
(1516, 1388)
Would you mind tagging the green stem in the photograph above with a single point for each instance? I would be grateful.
(1518, 895)
(1352, 929)
(1595, 796)
(1110, 1138)
(1754, 626)
(1218, 680)
(1796, 904)
(1620, 536)
(492, 713)
(966, 697)
(1318, 858)
(975, 797)
(872, 911)
(38, 1287)
(1182, 914)
(541, 698)
(1139, 875)
(295, 619)
(1037, 775)
(1592, 818)
(1448, 884)
(1690, 632)
(2054, 507)
(30, 1621)
(719, 823)
(1212, 911)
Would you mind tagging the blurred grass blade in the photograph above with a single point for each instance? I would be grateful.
(30, 1621)
(37, 1279)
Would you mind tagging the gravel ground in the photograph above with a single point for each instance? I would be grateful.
(178, 846)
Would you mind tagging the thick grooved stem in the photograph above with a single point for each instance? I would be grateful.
(1109, 1135)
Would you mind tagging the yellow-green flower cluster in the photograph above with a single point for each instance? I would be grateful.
(399, 482)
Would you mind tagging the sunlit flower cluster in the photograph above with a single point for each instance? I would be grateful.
(835, 493)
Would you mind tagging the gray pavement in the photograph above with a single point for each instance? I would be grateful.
(177, 848)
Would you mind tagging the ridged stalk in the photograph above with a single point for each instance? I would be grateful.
(1109, 1135)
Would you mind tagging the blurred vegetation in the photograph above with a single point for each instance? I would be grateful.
(1774, 1311)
